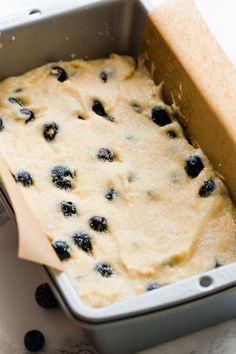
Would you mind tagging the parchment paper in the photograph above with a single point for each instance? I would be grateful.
(198, 77)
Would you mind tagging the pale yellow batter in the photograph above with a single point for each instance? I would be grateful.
(162, 224)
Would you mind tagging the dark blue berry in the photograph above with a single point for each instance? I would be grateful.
(62, 249)
(193, 166)
(45, 297)
(83, 241)
(24, 178)
(111, 194)
(172, 134)
(104, 269)
(2, 125)
(15, 100)
(68, 208)
(60, 73)
(207, 188)
(160, 116)
(218, 264)
(104, 76)
(50, 130)
(153, 286)
(62, 177)
(34, 340)
(105, 155)
(98, 223)
(29, 115)
(98, 108)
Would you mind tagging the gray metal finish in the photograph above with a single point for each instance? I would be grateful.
(94, 29)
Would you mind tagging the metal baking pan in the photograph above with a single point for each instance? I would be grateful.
(94, 29)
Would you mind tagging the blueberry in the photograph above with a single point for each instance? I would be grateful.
(60, 73)
(34, 340)
(62, 249)
(45, 297)
(2, 125)
(104, 76)
(98, 223)
(15, 100)
(28, 114)
(111, 194)
(68, 208)
(193, 166)
(172, 134)
(207, 188)
(218, 264)
(50, 130)
(105, 155)
(104, 269)
(24, 178)
(153, 286)
(83, 241)
(98, 108)
(160, 116)
(62, 177)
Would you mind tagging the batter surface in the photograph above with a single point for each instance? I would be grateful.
(127, 203)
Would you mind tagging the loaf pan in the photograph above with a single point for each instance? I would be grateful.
(95, 29)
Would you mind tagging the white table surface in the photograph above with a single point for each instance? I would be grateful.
(18, 279)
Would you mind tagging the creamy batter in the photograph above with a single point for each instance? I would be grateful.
(127, 203)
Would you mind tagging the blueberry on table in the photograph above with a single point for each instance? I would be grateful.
(62, 249)
(2, 125)
(60, 73)
(83, 241)
(24, 178)
(98, 223)
(104, 269)
(50, 130)
(62, 177)
(172, 134)
(15, 100)
(160, 116)
(68, 208)
(111, 194)
(45, 297)
(153, 286)
(34, 340)
(193, 166)
(207, 188)
(105, 155)
(29, 115)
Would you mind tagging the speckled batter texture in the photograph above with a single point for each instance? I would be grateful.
(165, 218)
